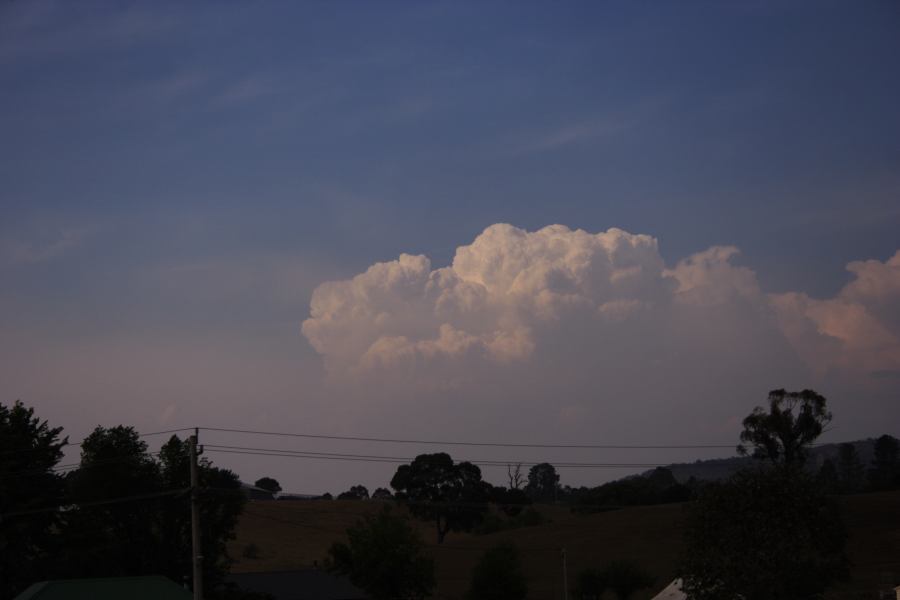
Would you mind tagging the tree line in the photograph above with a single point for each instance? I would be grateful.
(772, 531)
(120, 511)
(847, 474)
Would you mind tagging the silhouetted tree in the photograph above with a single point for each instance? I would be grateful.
(885, 471)
(498, 575)
(850, 469)
(828, 477)
(511, 502)
(590, 584)
(783, 433)
(150, 534)
(515, 476)
(543, 483)
(29, 449)
(382, 494)
(357, 492)
(221, 503)
(765, 534)
(625, 577)
(268, 484)
(453, 496)
(384, 556)
(657, 487)
(113, 539)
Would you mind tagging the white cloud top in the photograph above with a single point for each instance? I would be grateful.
(511, 295)
(489, 302)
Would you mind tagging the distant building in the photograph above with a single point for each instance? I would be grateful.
(306, 584)
(283, 496)
(107, 588)
(256, 493)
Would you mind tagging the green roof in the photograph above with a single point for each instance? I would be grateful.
(153, 587)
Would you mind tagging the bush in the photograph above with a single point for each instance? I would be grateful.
(590, 584)
(498, 576)
(623, 577)
(384, 556)
(250, 551)
(531, 517)
(493, 522)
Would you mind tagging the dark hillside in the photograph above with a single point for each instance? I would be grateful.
(720, 468)
(295, 534)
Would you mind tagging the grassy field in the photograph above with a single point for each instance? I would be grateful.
(291, 535)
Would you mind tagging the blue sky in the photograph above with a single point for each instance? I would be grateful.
(182, 176)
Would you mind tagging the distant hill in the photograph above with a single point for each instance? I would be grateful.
(721, 468)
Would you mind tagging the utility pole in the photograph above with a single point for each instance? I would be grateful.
(565, 577)
(196, 557)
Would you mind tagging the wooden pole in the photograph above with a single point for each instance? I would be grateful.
(197, 557)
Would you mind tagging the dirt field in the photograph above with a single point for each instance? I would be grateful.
(292, 535)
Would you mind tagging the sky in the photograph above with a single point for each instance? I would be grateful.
(570, 223)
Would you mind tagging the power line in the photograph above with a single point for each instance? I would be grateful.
(313, 454)
(213, 447)
(76, 466)
(392, 461)
(94, 503)
(166, 431)
(459, 443)
(76, 444)
(60, 445)
(400, 459)
(403, 460)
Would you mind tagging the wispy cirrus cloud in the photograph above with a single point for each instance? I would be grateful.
(244, 91)
(582, 130)
(40, 29)
(44, 246)
(574, 133)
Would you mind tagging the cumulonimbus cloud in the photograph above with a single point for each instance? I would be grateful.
(515, 297)
(856, 331)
